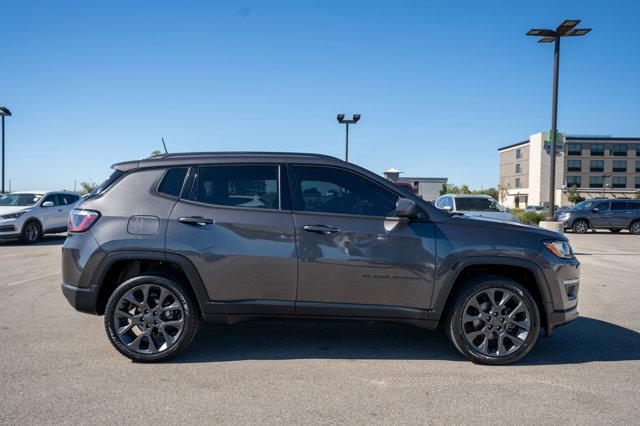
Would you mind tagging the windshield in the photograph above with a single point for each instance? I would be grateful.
(21, 200)
(584, 205)
(478, 205)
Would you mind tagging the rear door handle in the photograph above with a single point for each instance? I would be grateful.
(320, 229)
(196, 220)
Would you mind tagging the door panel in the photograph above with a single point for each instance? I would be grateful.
(602, 217)
(354, 254)
(244, 255)
(620, 214)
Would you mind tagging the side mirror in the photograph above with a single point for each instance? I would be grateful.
(595, 210)
(47, 204)
(507, 210)
(406, 208)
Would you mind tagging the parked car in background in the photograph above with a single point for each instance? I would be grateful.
(475, 205)
(614, 215)
(171, 240)
(28, 215)
(536, 209)
(406, 186)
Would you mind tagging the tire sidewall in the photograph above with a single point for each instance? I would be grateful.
(189, 311)
(29, 223)
(461, 343)
(574, 228)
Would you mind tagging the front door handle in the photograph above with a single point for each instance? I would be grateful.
(321, 229)
(196, 220)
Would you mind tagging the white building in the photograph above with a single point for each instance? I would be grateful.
(426, 187)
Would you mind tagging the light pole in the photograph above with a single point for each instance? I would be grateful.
(4, 112)
(566, 29)
(604, 184)
(354, 119)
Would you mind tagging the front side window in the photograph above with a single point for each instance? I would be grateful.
(619, 165)
(20, 200)
(596, 166)
(619, 182)
(595, 182)
(51, 197)
(597, 149)
(574, 165)
(332, 190)
(603, 207)
(620, 149)
(67, 199)
(250, 186)
(479, 204)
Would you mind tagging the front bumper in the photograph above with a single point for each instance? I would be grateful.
(82, 299)
(557, 318)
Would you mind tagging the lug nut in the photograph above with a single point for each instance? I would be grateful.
(146, 311)
(155, 322)
(155, 313)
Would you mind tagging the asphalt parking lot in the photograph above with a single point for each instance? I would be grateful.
(58, 366)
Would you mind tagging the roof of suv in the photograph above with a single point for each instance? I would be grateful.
(228, 156)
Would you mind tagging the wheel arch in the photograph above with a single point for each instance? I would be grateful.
(117, 267)
(30, 219)
(523, 271)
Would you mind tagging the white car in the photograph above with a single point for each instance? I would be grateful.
(475, 205)
(27, 215)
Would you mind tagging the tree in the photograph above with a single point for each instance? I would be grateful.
(464, 189)
(444, 189)
(503, 190)
(491, 192)
(573, 195)
(156, 152)
(87, 187)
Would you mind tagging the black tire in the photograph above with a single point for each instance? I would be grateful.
(31, 232)
(615, 230)
(455, 327)
(634, 227)
(187, 311)
(580, 226)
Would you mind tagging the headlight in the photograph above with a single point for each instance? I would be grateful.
(12, 215)
(563, 216)
(562, 249)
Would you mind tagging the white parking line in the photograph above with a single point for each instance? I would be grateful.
(33, 279)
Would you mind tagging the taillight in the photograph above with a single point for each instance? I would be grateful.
(82, 220)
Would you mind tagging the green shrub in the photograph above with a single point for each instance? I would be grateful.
(529, 218)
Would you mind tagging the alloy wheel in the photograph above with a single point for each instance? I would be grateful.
(581, 227)
(148, 319)
(496, 322)
(635, 227)
(32, 232)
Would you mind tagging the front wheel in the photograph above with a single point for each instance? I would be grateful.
(150, 319)
(493, 320)
(31, 232)
(580, 226)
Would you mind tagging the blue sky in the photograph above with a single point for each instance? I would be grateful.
(440, 85)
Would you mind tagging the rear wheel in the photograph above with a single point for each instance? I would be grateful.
(493, 320)
(580, 226)
(31, 232)
(615, 230)
(634, 228)
(150, 319)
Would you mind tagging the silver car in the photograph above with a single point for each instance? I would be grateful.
(475, 205)
(27, 215)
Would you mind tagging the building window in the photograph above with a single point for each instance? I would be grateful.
(518, 153)
(638, 150)
(517, 183)
(637, 166)
(619, 149)
(574, 181)
(619, 165)
(595, 182)
(597, 149)
(574, 165)
(619, 182)
(637, 181)
(518, 168)
(575, 149)
(596, 166)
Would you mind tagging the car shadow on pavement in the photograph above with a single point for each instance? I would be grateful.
(46, 240)
(584, 340)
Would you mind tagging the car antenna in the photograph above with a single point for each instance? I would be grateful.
(165, 146)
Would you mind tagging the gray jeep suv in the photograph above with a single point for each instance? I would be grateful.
(174, 239)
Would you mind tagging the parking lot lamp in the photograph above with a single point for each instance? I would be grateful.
(4, 112)
(566, 29)
(354, 119)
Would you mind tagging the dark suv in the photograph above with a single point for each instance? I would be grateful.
(227, 237)
(614, 215)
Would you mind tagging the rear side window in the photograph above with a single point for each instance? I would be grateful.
(619, 205)
(172, 181)
(251, 186)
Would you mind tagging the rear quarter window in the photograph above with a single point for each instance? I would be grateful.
(172, 181)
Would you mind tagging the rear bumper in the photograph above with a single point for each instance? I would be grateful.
(82, 299)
